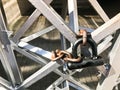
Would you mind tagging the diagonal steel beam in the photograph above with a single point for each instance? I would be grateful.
(99, 10)
(111, 80)
(28, 23)
(47, 55)
(7, 55)
(106, 29)
(54, 18)
(37, 34)
(51, 66)
(5, 83)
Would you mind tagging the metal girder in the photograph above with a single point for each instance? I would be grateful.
(25, 26)
(56, 83)
(2, 23)
(55, 19)
(99, 10)
(47, 54)
(39, 33)
(111, 80)
(7, 55)
(35, 58)
(93, 33)
(60, 80)
(44, 8)
(76, 87)
(81, 85)
(97, 35)
(105, 44)
(106, 29)
(28, 23)
(73, 15)
(4, 83)
(51, 66)
(37, 50)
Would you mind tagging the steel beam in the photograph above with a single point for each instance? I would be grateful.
(33, 57)
(55, 19)
(37, 50)
(47, 54)
(51, 66)
(4, 83)
(106, 29)
(7, 55)
(104, 44)
(37, 34)
(99, 10)
(28, 23)
(110, 81)
(111, 23)
(56, 83)
(25, 26)
(73, 15)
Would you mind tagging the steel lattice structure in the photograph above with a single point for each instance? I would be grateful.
(102, 35)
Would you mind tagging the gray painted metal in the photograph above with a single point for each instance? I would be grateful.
(9, 62)
(5, 83)
(28, 23)
(55, 19)
(7, 56)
